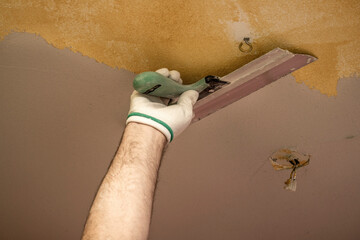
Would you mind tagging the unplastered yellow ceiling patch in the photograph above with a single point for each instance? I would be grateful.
(197, 37)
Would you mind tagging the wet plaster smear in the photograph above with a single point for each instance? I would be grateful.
(197, 37)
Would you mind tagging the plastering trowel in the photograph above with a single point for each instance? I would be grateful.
(216, 92)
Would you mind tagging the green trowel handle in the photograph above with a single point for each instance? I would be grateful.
(155, 84)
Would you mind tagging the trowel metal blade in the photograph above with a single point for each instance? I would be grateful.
(251, 77)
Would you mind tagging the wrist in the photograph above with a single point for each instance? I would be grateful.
(150, 121)
(145, 134)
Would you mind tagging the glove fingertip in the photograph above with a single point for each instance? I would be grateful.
(190, 95)
(163, 71)
(175, 75)
(193, 95)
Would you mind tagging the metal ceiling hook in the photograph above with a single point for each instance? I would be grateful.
(249, 47)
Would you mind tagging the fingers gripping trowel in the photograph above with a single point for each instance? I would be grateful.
(155, 84)
(217, 93)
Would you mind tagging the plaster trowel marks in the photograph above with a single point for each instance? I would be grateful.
(197, 37)
(327, 29)
(139, 36)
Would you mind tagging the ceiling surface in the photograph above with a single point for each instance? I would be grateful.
(197, 37)
(62, 116)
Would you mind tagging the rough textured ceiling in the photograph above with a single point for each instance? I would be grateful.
(197, 37)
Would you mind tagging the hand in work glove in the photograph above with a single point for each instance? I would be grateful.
(170, 120)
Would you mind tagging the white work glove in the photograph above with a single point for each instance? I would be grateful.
(170, 120)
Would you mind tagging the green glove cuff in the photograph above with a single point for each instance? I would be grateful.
(155, 120)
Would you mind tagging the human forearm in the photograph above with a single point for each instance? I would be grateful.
(122, 207)
(123, 204)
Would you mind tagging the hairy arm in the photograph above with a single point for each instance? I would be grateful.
(123, 204)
